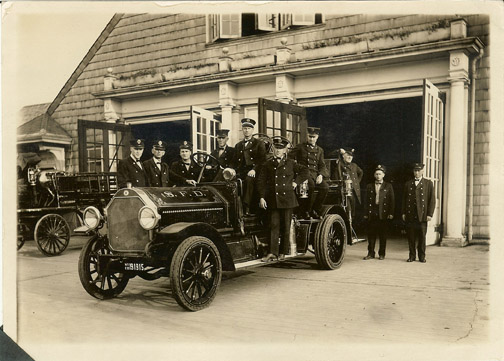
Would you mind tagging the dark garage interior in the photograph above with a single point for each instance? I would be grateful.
(387, 132)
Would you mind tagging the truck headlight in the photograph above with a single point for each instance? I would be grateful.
(148, 218)
(92, 217)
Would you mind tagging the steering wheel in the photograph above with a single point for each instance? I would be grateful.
(268, 142)
(202, 160)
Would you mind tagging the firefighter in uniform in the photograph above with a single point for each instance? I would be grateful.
(185, 167)
(347, 169)
(250, 154)
(130, 169)
(276, 185)
(224, 153)
(378, 210)
(157, 171)
(417, 209)
(310, 155)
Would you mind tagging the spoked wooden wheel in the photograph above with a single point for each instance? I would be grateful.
(195, 273)
(94, 277)
(52, 234)
(330, 242)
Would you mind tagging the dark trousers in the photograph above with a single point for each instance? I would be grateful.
(377, 227)
(316, 202)
(248, 185)
(416, 232)
(280, 222)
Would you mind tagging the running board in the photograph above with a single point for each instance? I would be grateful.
(258, 262)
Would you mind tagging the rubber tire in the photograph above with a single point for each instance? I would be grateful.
(179, 257)
(54, 248)
(92, 247)
(324, 248)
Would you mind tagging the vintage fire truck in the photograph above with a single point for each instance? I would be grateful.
(193, 234)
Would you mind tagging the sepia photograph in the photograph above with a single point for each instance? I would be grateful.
(252, 180)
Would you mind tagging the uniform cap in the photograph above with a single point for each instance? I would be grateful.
(222, 133)
(313, 130)
(417, 166)
(381, 167)
(137, 143)
(159, 145)
(248, 122)
(279, 142)
(349, 151)
(185, 145)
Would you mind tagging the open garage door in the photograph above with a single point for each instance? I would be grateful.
(287, 120)
(204, 126)
(432, 151)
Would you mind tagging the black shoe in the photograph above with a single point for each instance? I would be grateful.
(315, 214)
(423, 260)
(368, 257)
(382, 258)
(410, 260)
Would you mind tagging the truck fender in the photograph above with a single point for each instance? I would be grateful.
(335, 209)
(183, 230)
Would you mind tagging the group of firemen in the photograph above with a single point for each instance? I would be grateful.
(273, 180)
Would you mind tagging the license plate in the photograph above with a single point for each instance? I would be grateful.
(133, 267)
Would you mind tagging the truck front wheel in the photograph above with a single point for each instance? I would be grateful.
(195, 273)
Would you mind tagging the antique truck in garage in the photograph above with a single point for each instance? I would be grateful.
(193, 234)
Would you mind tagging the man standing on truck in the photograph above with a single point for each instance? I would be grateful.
(417, 209)
(310, 155)
(157, 172)
(250, 155)
(276, 183)
(185, 168)
(346, 169)
(130, 169)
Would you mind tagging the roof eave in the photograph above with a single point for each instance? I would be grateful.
(472, 45)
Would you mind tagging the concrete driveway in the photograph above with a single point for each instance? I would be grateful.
(291, 309)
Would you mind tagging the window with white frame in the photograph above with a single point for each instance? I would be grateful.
(232, 26)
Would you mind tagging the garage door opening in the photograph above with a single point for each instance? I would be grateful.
(173, 133)
(387, 132)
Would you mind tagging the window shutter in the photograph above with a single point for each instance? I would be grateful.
(230, 26)
(285, 21)
(213, 22)
(267, 22)
(303, 19)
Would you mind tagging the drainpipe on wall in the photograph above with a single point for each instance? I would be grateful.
(471, 145)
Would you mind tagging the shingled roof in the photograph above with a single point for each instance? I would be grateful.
(29, 112)
(42, 129)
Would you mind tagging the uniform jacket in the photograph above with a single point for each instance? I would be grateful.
(160, 178)
(355, 173)
(386, 200)
(180, 170)
(420, 199)
(274, 182)
(313, 158)
(250, 157)
(226, 158)
(129, 171)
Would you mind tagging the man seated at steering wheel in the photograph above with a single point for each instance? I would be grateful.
(186, 168)
(224, 154)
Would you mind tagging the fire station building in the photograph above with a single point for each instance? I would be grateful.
(397, 88)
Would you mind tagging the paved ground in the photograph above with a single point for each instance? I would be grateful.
(293, 308)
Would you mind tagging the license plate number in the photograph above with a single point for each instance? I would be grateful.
(133, 267)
